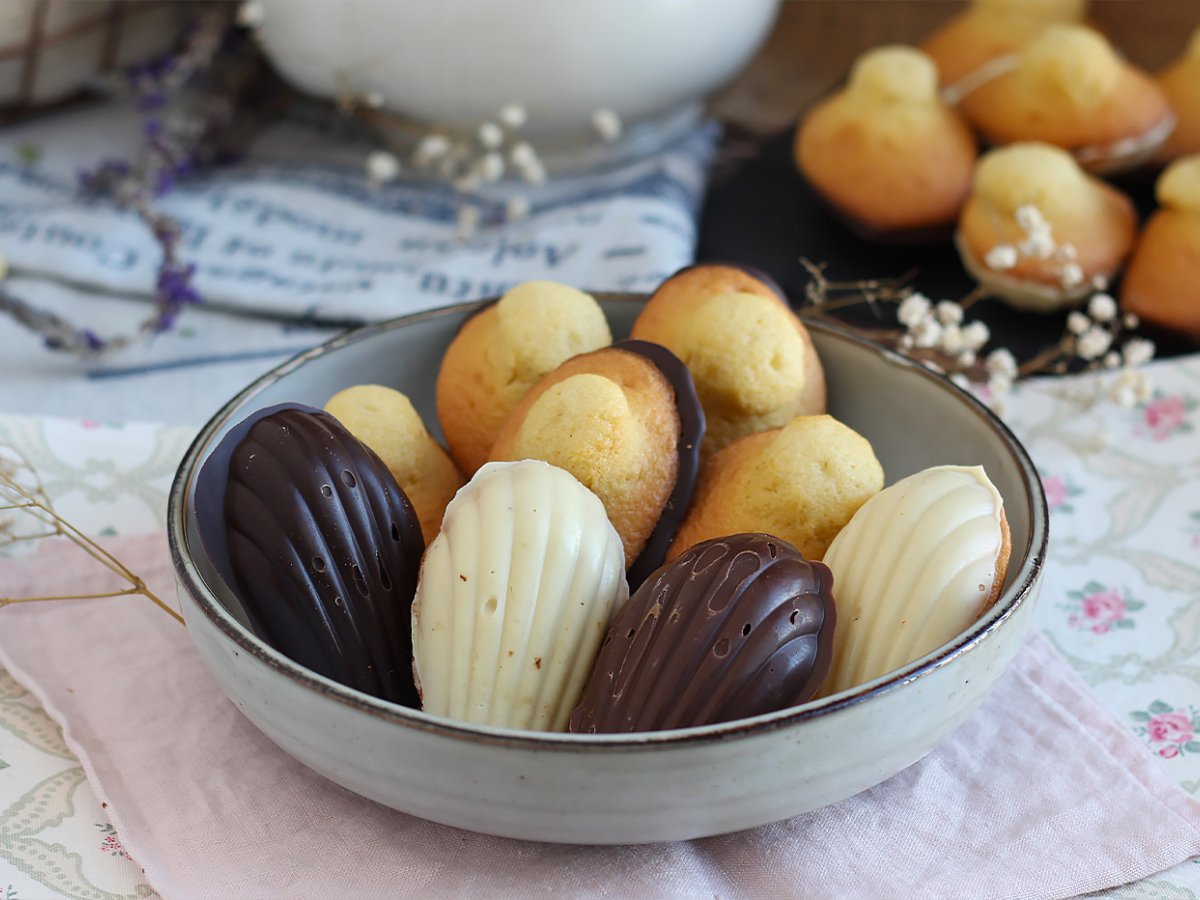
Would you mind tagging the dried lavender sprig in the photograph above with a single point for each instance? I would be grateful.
(193, 116)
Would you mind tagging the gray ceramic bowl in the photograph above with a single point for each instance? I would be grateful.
(603, 789)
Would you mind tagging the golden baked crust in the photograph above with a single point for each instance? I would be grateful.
(801, 483)
(1162, 283)
(886, 152)
(609, 418)
(1180, 81)
(752, 359)
(384, 420)
(990, 29)
(1071, 89)
(1096, 219)
(501, 352)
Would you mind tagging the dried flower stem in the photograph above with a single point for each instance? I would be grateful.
(26, 500)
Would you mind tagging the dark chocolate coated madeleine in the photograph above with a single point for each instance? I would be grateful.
(737, 626)
(320, 545)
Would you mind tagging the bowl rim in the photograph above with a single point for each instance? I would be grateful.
(189, 579)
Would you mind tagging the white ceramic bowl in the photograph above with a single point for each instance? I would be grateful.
(457, 62)
(603, 789)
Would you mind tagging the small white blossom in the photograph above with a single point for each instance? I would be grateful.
(490, 167)
(949, 312)
(1029, 218)
(975, 335)
(1102, 308)
(999, 384)
(607, 124)
(250, 14)
(516, 208)
(1039, 244)
(522, 154)
(966, 358)
(382, 167)
(1099, 282)
(913, 310)
(1001, 257)
(491, 135)
(468, 220)
(1065, 253)
(373, 99)
(1002, 362)
(1078, 323)
(1112, 359)
(927, 333)
(906, 342)
(952, 339)
(1129, 320)
(1144, 388)
(1071, 275)
(1123, 395)
(1094, 343)
(432, 146)
(1138, 351)
(512, 115)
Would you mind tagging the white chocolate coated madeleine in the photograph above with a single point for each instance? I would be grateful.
(886, 152)
(1084, 225)
(918, 563)
(1071, 89)
(514, 597)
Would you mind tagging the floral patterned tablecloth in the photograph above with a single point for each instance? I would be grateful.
(1121, 600)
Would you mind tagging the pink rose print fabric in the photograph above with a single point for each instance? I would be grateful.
(1099, 609)
(1165, 417)
(1170, 732)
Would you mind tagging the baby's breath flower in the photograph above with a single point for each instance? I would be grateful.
(948, 312)
(490, 167)
(1071, 275)
(1102, 308)
(967, 357)
(522, 154)
(999, 384)
(1143, 388)
(1099, 282)
(913, 310)
(1123, 395)
(1112, 359)
(431, 147)
(1001, 362)
(468, 220)
(1078, 323)
(512, 115)
(1138, 351)
(1094, 343)
(382, 167)
(1001, 257)
(607, 124)
(373, 99)
(952, 339)
(1039, 244)
(490, 135)
(905, 342)
(1129, 320)
(1065, 253)
(927, 333)
(250, 14)
(516, 208)
(975, 335)
(1029, 218)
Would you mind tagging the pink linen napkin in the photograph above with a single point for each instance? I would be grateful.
(1040, 794)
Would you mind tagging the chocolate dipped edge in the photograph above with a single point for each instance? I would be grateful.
(691, 433)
